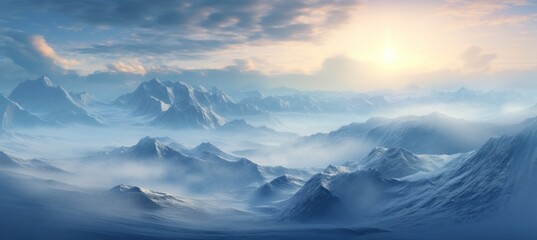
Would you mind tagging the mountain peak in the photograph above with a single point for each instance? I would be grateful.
(207, 147)
(436, 114)
(154, 81)
(44, 80)
(126, 188)
(283, 180)
(3, 155)
(381, 151)
(334, 170)
(148, 142)
(149, 147)
(464, 90)
(378, 150)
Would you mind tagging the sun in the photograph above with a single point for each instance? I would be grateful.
(388, 55)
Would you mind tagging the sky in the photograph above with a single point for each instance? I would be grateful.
(107, 47)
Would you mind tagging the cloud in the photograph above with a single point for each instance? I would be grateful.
(133, 67)
(32, 53)
(168, 45)
(243, 65)
(41, 46)
(474, 60)
(485, 12)
(190, 27)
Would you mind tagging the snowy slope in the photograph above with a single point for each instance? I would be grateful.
(16, 163)
(84, 98)
(146, 199)
(14, 116)
(278, 189)
(206, 149)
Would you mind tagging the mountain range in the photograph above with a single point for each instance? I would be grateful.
(435, 133)
(201, 169)
(494, 182)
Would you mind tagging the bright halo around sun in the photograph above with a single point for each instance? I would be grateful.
(388, 55)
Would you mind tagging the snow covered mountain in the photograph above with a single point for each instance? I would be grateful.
(150, 98)
(494, 182)
(397, 162)
(279, 188)
(287, 103)
(179, 105)
(223, 104)
(14, 116)
(147, 199)
(336, 195)
(187, 114)
(430, 134)
(496, 179)
(16, 163)
(53, 103)
(241, 127)
(206, 149)
(84, 98)
(206, 169)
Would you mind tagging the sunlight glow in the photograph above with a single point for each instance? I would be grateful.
(388, 56)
